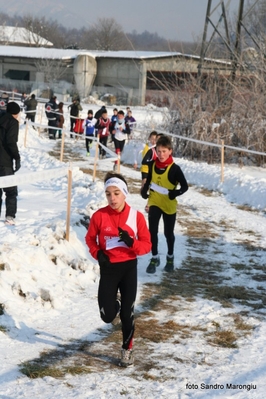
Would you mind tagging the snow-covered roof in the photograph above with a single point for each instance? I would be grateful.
(54, 53)
(13, 34)
(40, 52)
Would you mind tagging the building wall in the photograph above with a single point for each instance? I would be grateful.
(18, 64)
(51, 71)
(124, 77)
(121, 76)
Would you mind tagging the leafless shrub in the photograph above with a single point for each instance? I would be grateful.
(218, 108)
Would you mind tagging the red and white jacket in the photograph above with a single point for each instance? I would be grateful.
(103, 127)
(103, 233)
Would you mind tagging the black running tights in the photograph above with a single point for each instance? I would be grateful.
(122, 276)
(155, 214)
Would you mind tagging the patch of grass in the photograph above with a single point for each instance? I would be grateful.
(259, 277)
(74, 359)
(259, 267)
(241, 325)
(183, 212)
(248, 243)
(152, 330)
(3, 329)
(198, 228)
(2, 307)
(34, 370)
(151, 377)
(226, 224)
(205, 191)
(223, 338)
(241, 266)
(69, 153)
(2, 266)
(228, 294)
(247, 208)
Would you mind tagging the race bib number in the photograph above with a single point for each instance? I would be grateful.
(115, 243)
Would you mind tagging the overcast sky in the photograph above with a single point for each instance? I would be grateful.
(171, 19)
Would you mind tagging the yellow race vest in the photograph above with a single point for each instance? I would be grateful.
(145, 168)
(159, 191)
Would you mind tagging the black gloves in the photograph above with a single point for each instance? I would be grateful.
(125, 237)
(17, 165)
(144, 193)
(103, 259)
(172, 194)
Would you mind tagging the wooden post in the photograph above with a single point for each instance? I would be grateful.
(69, 188)
(62, 146)
(26, 132)
(96, 157)
(222, 162)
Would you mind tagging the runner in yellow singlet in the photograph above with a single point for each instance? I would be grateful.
(163, 178)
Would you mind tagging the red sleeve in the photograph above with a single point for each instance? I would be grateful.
(92, 236)
(142, 245)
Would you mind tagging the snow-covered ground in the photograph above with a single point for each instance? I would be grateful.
(48, 286)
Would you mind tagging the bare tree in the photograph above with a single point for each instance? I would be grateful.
(52, 70)
(36, 30)
(106, 34)
(39, 29)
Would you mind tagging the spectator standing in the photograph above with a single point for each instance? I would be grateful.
(60, 119)
(130, 120)
(31, 106)
(9, 155)
(116, 236)
(120, 133)
(163, 178)
(75, 107)
(51, 111)
(22, 100)
(103, 126)
(3, 103)
(89, 129)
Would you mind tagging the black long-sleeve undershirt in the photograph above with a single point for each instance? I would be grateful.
(175, 176)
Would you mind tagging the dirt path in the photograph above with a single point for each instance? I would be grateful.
(223, 263)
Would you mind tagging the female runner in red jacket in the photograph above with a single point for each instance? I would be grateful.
(117, 234)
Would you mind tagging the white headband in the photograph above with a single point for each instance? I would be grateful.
(115, 181)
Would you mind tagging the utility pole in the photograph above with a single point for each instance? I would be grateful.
(216, 26)
(232, 41)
